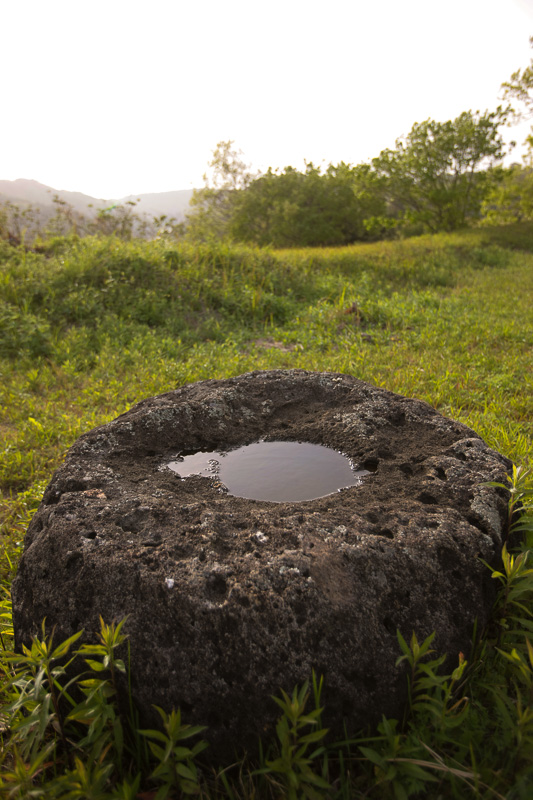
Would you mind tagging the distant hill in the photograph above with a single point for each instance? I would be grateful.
(29, 192)
(173, 204)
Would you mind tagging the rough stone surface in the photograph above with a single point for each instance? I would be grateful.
(229, 599)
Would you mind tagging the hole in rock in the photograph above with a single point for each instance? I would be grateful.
(275, 471)
(384, 452)
(427, 498)
(216, 585)
(476, 522)
(406, 469)
(51, 498)
(389, 625)
(74, 561)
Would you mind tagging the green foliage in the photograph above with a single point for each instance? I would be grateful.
(100, 323)
(515, 597)
(66, 220)
(21, 331)
(293, 766)
(104, 726)
(468, 733)
(68, 737)
(18, 225)
(520, 505)
(34, 230)
(434, 693)
(212, 206)
(508, 678)
(175, 763)
(436, 177)
(520, 88)
(471, 730)
(510, 197)
(396, 771)
(117, 219)
(306, 209)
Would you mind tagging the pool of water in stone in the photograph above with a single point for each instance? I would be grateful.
(275, 471)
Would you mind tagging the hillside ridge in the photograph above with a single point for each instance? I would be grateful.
(28, 191)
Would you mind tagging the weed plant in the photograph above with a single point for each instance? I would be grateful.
(90, 326)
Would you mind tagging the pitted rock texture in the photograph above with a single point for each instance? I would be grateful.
(229, 599)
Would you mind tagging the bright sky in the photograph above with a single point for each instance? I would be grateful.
(118, 97)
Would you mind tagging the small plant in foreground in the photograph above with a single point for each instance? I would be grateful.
(431, 693)
(520, 505)
(396, 770)
(37, 696)
(175, 763)
(293, 767)
(58, 745)
(514, 598)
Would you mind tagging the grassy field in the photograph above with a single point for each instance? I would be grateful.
(88, 327)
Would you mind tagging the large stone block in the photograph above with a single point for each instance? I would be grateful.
(227, 598)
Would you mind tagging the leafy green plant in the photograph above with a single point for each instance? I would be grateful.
(509, 677)
(516, 594)
(396, 770)
(175, 768)
(431, 693)
(37, 694)
(104, 727)
(292, 769)
(520, 505)
(68, 736)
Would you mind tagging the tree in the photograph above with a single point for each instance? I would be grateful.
(65, 220)
(520, 88)
(166, 227)
(18, 225)
(119, 220)
(212, 206)
(305, 209)
(510, 199)
(437, 175)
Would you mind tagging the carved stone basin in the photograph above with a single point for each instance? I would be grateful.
(227, 598)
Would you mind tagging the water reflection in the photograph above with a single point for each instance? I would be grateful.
(276, 471)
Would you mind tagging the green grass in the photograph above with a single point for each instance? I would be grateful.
(90, 326)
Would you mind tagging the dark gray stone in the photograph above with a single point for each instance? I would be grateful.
(230, 599)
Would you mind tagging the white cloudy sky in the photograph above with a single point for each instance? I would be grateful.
(117, 97)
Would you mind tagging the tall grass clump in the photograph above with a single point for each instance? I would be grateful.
(90, 326)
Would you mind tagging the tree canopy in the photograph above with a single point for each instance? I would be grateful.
(437, 175)
(309, 208)
(212, 206)
(519, 88)
(436, 178)
(510, 198)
